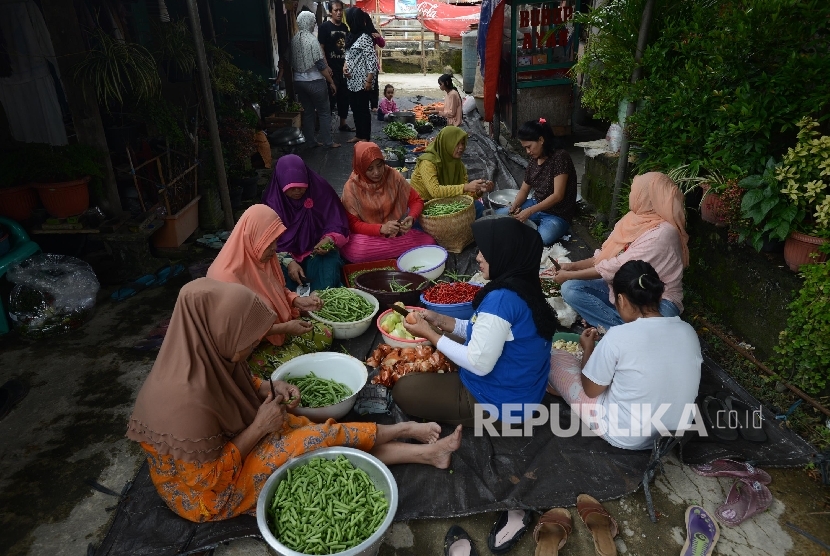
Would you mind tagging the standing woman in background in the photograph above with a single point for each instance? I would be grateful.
(452, 101)
(360, 69)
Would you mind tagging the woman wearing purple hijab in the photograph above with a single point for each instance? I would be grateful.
(316, 222)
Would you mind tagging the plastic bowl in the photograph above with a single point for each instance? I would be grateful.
(461, 311)
(326, 364)
(399, 342)
(378, 473)
(377, 283)
(429, 260)
(346, 330)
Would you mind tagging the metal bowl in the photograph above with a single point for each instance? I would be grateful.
(502, 198)
(378, 473)
(404, 117)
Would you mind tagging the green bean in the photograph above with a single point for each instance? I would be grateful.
(353, 276)
(313, 519)
(319, 392)
(398, 288)
(444, 209)
(343, 305)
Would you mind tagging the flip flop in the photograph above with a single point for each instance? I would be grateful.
(507, 530)
(745, 499)
(603, 527)
(749, 427)
(702, 532)
(732, 468)
(552, 531)
(458, 543)
(716, 418)
(166, 272)
(137, 285)
(11, 393)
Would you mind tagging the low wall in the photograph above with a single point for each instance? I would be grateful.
(409, 61)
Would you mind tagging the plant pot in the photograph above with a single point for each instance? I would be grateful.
(178, 227)
(120, 137)
(799, 247)
(64, 199)
(712, 209)
(17, 202)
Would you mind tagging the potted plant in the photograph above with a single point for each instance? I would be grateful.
(121, 74)
(61, 176)
(174, 47)
(801, 177)
(768, 215)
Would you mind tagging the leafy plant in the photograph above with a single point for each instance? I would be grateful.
(803, 350)
(165, 119)
(769, 214)
(238, 145)
(174, 44)
(117, 71)
(285, 104)
(687, 177)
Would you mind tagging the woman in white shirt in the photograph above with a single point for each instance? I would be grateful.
(310, 76)
(646, 367)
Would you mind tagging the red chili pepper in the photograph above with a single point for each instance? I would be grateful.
(449, 293)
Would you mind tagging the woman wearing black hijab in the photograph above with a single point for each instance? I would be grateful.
(505, 357)
(360, 71)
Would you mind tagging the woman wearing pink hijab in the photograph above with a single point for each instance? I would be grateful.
(654, 231)
(249, 258)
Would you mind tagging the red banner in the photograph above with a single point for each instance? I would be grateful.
(438, 17)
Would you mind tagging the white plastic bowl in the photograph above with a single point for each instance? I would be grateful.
(378, 473)
(399, 342)
(346, 330)
(330, 365)
(429, 260)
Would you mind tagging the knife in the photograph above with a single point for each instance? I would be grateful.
(401, 219)
(404, 312)
(555, 263)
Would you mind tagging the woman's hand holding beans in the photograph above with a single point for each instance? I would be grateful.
(270, 416)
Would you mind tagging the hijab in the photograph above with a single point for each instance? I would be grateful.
(195, 399)
(654, 199)
(450, 170)
(374, 203)
(305, 49)
(514, 251)
(310, 217)
(356, 22)
(239, 262)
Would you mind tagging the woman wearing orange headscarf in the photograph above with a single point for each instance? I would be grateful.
(653, 231)
(213, 434)
(249, 258)
(381, 207)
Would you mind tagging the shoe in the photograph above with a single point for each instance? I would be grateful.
(507, 530)
(745, 499)
(702, 532)
(750, 419)
(603, 527)
(552, 531)
(458, 543)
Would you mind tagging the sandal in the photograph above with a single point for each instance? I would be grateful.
(552, 531)
(166, 272)
(749, 427)
(458, 543)
(732, 468)
(745, 499)
(129, 290)
(603, 527)
(507, 530)
(702, 532)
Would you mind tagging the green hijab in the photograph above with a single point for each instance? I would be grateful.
(450, 170)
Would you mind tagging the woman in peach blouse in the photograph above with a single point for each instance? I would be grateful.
(452, 101)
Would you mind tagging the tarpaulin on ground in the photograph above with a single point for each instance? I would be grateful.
(438, 17)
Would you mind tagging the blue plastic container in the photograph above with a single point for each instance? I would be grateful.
(463, 311)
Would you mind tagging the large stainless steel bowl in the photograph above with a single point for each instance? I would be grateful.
(378, 473)
(502, 197)
(404, 117)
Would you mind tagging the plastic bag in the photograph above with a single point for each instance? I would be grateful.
(468, 105)
(52, 294)
(614, 137)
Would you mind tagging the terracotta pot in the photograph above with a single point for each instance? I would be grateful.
(17, 202)
(799, 247)
(64, 199)
(712, 209)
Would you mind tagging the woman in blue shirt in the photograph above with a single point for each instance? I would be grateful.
(505, 356)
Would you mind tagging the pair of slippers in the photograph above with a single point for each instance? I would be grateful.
(214, 241)
(11, 393)
(728, 418)
(749, 494)
(550, 534)
(161, 277)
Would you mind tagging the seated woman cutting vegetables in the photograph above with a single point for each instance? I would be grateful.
(440, 173)
(381, 207)
(505, 357)
(213, 434)
(249, 258)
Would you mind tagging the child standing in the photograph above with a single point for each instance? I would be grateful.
(387, 106)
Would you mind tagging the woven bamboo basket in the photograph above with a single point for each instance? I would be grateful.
(453, 232)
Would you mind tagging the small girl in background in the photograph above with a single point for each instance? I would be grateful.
(387, 105)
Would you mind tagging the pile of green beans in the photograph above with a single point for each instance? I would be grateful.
(319, 392)
(326, 507)
(394, 286)
(353, 276)
(444, 209)
(342, 305)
